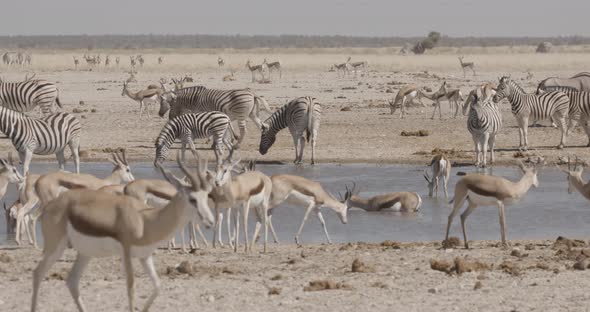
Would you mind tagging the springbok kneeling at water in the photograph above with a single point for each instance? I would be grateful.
(575, 181)
(396, 201)
(441, 168)
(485, 190)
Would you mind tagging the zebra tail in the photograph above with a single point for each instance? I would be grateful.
(265, 106)
(309, 120)
(58, 102)
(233, 132)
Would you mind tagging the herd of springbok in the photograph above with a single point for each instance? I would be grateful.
(122, 216)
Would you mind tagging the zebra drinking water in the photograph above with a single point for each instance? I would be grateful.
(302, 117)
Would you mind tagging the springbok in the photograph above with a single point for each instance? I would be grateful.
(143, 97)
(220, 62)
(310, 194)
(395, 201)
(441, 168)
(48, 187)
(574, 179)
(465, 65)
(260, 69)
(76, 62)
(102, 224)
(405, 95)
(486, 190)
(250, 189)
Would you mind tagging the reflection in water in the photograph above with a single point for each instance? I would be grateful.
(545, 212)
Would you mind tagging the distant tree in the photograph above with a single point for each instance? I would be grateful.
(427, 43)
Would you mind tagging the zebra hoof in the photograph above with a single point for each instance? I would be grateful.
(560, 146)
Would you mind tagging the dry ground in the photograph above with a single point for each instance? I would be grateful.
(529, 276)
(366, 133)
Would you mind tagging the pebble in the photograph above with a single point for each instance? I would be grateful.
(433, 290)
(211, 298)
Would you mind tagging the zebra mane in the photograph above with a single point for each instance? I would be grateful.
(561, 88)
(515, 85)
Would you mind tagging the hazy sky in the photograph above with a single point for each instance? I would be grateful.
(306, 17)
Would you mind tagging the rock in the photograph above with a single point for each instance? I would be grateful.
(5, 258)
(274, 291)
(186, 267)
(81, 102)
(346, 109)
(432, 291)
(211, 298)
(94, 110)
(77, 111)
(463, 265)
(478, 285)
(581, 265)
(276, 277)
(510, 268)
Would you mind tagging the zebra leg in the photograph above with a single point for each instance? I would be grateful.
(61, 160)
(26, 157)
(313, 137)
(492, 144)
(75, 149)
(296, 144)
(484, 144)
(522, 131)
(301, 147)
(242, 127)
(586, 129)
(563, 126)
(476, 143)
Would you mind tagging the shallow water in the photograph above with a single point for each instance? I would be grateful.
(544, 213)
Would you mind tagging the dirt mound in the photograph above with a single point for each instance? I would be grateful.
(452, 242)
(459, 265)
(359, 266)
(325, 285)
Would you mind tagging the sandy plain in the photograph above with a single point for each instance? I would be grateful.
(529, 276)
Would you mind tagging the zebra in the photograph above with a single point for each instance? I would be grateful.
(42, 136)
(24, 96)
(195, 126)
(484, 123)
(301, 115)
(238, 104)
(10, 58)
(579, 108)
(554, 104)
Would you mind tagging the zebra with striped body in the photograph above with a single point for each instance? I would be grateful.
(579, 108)
(302, 116)
(24, 96)
(238, 104)
(44, 136)
(554, 105)
(195, 126)
(484, 123)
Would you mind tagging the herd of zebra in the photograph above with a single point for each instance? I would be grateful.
(16, 58)
(566, 102)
